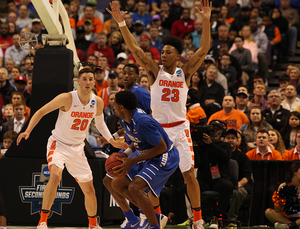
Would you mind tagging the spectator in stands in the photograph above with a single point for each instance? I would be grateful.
(242, 19)
(261, 40)
(12, 17)
(242, 55)
(28, 92)
(271, 30)
(196, 82)
(234, 8)
(276, 142)
(263, 151)
(88, 31)
(264, 9)
(288, 132)
(293, 154)
(232, 117)
(8, 138)
(195, 113)
(241, 103)
(229, 72)
(128, 21)
(119, 70)
(294, 75)
(187, 44)
(15, 52)
(293, 18)
(5, 88)
(259, 92)
(5, 39)
(291, 102)
(215, 24)
(223, 36)
(110, 109)
(175, 11)
(36, 28)
(13, 28)
(214, 92)
(19, 120)
(283, 80)
(14, 73)
(122, 58)
(8, 113)
(99, 79)
(256, 123)
(81, 42)
(242, 144)
(130, 6)
(8, 64)
(225, 16)
(89, 13)
(197, 33)
(275, 114)
(155, 41)
(113, 79)
(244, 172)
(142, 14)
(145, 45)
(215, 153)
(28, 64)
(115, 41)
(139, 30)
(221, 79)
(143, 81)
(166, 20)
(18, 96)
(183, 25)
(20, 82)
(255, 15)
(249, 44)
(23, 20)
(156, 21)
(101, 49)
(73, 11)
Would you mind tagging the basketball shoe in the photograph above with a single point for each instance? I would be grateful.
(144, 222)
(278, 225)
(43, 225)
(97, 226)
(198, 224)
(162, 220)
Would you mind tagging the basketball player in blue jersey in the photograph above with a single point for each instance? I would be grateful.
(156, 162)
(66, 144)
(169, 94)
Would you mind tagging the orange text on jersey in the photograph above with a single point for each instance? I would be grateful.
(82, 114)
(169, 83)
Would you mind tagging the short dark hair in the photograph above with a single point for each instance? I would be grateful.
(10, 134)
(132, 66)
(284, 77)
(176, 42)
(194, 96)
(291, 171)
(257, 76)
(127, 99)
(238, 36)
(263, 131)
(86, 70)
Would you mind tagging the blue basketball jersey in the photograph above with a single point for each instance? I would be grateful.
(145, 132)
(143, 98)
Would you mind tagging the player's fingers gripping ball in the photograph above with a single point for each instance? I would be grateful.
(111, 162)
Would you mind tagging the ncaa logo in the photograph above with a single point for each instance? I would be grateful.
(46, 172)
(178, 71)
(93, 102)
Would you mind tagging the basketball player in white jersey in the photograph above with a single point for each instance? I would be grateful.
(169, 94)
(66, 144)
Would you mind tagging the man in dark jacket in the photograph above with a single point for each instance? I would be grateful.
(276, 115)
(5, 88)
(245, 171)
(213, 171)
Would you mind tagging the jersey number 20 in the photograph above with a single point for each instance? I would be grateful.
(78, 124)
(174, 95)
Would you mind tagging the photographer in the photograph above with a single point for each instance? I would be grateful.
(213, 171)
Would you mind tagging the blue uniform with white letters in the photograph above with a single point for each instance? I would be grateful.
(145, 133)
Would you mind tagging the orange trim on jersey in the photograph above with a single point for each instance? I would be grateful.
(193, 157)
(189, 140)
(76, 179)
(169, 125)
(49, 159)
(50, 153)
(191, 148)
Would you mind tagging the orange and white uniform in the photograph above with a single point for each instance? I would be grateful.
(66, 144)
(168, 100)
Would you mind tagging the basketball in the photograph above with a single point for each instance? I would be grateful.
(112, 161)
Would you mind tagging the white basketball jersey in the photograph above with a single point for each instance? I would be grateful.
(71, 126)
(168, 96)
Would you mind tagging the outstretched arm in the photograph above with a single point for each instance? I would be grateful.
(137, 52)
(191, 66)
(60, 101)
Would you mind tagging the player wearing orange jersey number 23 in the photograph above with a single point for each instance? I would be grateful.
(66, 144)
(168, 99)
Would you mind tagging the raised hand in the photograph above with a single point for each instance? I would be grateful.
(115, 12)
(22, 135)
(206, 7)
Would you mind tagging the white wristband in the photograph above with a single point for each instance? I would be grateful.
(116, 135)
(122, 23)
(128, 151)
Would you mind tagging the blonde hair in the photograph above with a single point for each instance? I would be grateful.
(297, 70)
(280, 147)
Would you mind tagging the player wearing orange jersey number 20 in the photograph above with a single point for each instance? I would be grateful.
(66, 144)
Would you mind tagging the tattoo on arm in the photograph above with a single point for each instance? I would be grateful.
(141, 59)
(198, 60)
